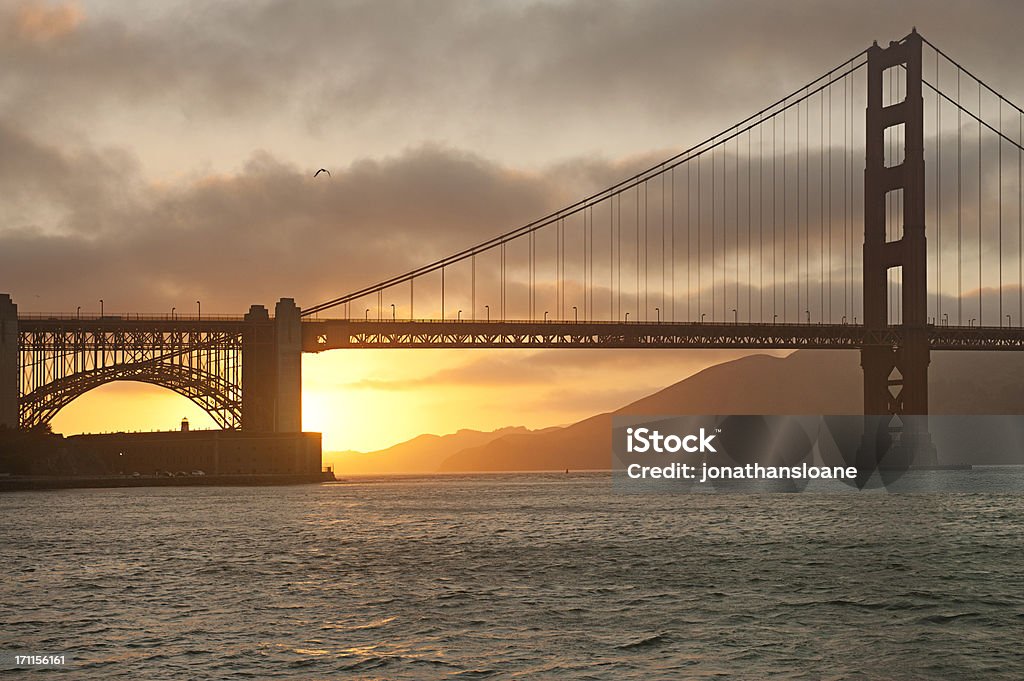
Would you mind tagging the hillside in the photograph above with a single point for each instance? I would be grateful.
(422, 454)
(806, 382)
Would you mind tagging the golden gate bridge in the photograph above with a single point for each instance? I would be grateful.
(878, 208)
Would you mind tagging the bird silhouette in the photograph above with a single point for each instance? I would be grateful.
(322, 170)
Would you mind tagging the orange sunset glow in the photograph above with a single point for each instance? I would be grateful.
(367, 400)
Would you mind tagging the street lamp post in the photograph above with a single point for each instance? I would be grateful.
(172, 313)
(366, 315)
(627, 317)
(657, 311)
(78, 312)
(545, 316)
(488, 308)
(460, 315)
(808, 316)
(945, 318)
(575, 314)
(392, 312)
(735, 316)
(199, 311)
(101, 308)
(702, 317)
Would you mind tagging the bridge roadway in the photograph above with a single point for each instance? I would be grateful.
(319, 335)
(332, 334)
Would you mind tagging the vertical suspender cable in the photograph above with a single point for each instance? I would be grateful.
(775, 241)
(638, 252)
(760, 217)
(750, 228)
(821, 206)
(848, 197)
(959, 206)
(938, 196)
(799, 165)
(672, 259)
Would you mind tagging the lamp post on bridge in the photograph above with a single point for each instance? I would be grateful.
(702, 317)
(101, 308)
(545, 316)
(735, 316)
(366, 315)
(488, 308)
(172, 313)
(199, 311)
(392, 312)
(627, 318)
(808, 316)
(459, 317)
(657, 311)
(945, 319)
(78, 312)
(575, 314)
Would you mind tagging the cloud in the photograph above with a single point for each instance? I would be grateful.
(81, 217)
(80, 223)
(36, 22)
(503, 79)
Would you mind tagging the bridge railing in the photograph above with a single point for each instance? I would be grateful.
(129, 317)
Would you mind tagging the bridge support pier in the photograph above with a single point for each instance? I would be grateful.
(288, 357)
(259, 379)
(896, 378)
(272, 369)
(9, 363)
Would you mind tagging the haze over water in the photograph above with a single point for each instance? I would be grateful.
(514, 576)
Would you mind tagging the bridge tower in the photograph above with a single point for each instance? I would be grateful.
(896, 378)
(9, 362)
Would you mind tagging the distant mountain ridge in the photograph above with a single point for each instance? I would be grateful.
(805, 382)
(422, 454)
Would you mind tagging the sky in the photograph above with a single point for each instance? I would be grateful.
(156, 154)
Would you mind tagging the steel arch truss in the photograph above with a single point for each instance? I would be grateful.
(62, 360)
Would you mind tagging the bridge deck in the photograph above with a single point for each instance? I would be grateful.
(321, 335)
(333, 334)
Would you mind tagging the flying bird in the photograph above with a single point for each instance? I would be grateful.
(322, 170)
